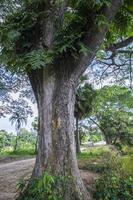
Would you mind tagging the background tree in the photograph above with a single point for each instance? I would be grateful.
(6, 139)
(27, 141)
(53, 42)
(83, 106)
(19, 117)
(112, 114)
(117, 127)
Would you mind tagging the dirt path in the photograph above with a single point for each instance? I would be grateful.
(11, 173)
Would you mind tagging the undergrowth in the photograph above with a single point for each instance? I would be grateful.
(46, 187)
(115, 172)
(114, 183)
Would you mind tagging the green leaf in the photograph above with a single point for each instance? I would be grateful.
(84, 49)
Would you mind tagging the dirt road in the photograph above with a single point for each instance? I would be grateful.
(11, 173)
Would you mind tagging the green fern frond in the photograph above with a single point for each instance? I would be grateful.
(37, 58)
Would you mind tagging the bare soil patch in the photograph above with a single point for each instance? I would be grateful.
(10, 174)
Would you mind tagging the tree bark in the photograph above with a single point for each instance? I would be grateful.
(56, 154)
(77, 136)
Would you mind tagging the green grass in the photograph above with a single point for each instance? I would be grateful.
(93, 152)
(14, 156)
(127, 163)
(89, 159)
(20, 152)
(96, 158)
(127, 150)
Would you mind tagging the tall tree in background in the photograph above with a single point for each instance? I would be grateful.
(53, 42)
(83, 106)
(112, 114)
(19, 116)
(19, 120)
(117, 127)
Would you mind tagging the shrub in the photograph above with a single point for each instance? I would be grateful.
(46, 187)
(127, 150)
(127, 164)
(114, 183)
(104, 161)
(110, 186)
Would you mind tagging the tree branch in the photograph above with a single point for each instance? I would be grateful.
(102, 130)
(94, 39)
(125, 51)
(121, 44)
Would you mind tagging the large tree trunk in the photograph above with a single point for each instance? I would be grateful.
(55, 96)
(77, 136)
(56, 149)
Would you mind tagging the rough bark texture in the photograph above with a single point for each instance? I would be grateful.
(56, 148)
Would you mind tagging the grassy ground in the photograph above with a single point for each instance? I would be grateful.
(127, 162)
(91, 156)
(8, 155)
(96, 159)
(114, 172)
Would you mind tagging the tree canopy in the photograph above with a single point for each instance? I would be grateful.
(112, 114)
(21, 31)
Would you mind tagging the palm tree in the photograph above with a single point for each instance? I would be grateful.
(84, 97)
(19, 118)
